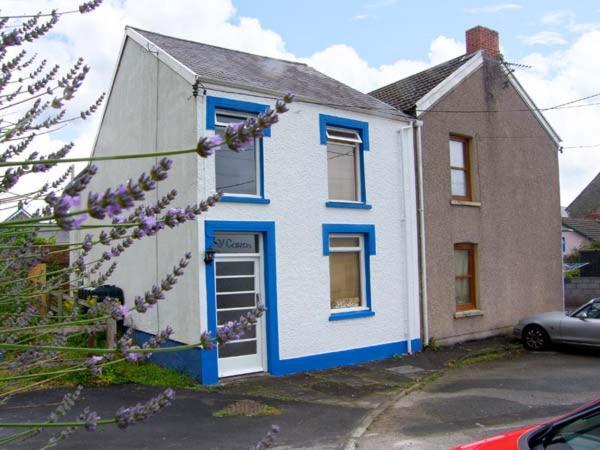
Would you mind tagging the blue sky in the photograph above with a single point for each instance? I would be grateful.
(365, 44)
(385, 30)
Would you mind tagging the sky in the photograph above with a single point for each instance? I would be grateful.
(363, 43)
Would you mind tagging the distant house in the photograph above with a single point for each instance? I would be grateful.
(59, 236)
(317, 221)
(490, 222)
(587, 204)
(579, 233)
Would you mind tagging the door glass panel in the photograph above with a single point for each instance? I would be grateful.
(233, 276)
(227, 268)
(227, 315)
(236, 300)
(237, 349)
(235, 243)
(235, 284)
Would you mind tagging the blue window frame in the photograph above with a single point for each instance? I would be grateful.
(360, 143)
(240, 109)
(357, 240)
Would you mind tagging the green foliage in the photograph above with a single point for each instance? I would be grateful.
(433, 345)
(575, 273)
(595, 245)
(144, 373)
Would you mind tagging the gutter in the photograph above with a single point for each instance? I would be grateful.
(417, 125)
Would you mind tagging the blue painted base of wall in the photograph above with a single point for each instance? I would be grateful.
(185, 361)
(190, 361)
(342, 358)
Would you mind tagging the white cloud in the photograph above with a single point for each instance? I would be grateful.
(494, 9)
(343, 63)
(557, 17)
(561, 77)
(545, 38)
(555, 78)
(361, 17)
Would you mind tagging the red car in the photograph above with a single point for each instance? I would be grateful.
(578, 430)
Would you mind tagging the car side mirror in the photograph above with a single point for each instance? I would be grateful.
(583, 316)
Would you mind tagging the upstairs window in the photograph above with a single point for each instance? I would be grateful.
(343, 164)
(236, 173)
(460, 173)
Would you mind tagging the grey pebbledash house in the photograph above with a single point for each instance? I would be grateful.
(490, 226)
(317, 220)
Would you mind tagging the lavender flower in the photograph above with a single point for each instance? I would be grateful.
(90, 418)
(268, 440)
(234, 330)
(142, 411)
(93, 364)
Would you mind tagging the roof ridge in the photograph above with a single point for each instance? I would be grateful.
(216, 46)
(592, 181)
(466, 55)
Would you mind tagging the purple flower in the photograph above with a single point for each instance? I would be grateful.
(90, 418)
(119, 312)
(126, 417)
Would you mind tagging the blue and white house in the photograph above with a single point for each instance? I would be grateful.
(317, 221)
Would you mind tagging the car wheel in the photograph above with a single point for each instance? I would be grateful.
(535, 338)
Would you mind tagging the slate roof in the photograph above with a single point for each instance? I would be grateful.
(587, 201)
(259, 72)
(405, 93)
(588, 228)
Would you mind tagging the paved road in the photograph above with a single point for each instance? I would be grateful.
(485, 399)
(187, 424)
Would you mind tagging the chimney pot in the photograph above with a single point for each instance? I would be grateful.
(482, 38)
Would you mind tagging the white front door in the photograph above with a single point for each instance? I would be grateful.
(238, 287)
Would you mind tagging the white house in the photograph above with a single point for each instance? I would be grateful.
(318, 220)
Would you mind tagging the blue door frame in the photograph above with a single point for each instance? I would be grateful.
(209, 359)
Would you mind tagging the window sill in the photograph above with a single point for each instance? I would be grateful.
(236, 199)
(465, 203)
(351, 315)
(350, 205)
(469, 313)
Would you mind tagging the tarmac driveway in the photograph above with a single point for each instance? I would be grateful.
(485, 399)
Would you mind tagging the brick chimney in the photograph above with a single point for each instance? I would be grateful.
(482, 38)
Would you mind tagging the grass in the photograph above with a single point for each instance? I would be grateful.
(144, 373)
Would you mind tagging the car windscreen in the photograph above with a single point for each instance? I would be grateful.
(580, 434)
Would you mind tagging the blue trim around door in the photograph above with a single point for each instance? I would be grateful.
(210, 371)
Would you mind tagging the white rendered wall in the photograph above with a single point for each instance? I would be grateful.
(143, 115)
(296, 183)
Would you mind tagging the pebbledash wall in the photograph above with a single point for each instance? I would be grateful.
(151, 107)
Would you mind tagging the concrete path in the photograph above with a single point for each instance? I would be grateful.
(485, 399)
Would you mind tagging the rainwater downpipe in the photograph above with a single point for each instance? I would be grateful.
(417, 125)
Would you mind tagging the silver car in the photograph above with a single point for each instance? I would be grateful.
(581, 327)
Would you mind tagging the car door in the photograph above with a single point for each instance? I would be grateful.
(582, 327)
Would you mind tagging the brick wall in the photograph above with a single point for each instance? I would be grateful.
(482, 38)
(580, 290)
